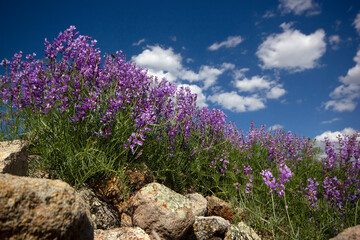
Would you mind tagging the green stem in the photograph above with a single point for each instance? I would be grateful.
(287, 214)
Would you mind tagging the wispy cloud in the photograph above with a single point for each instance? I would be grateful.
(231, 41)
(298, 7)
(139, 42)
(292, 50)
(330, 121)
(356, 23)
(334, 41)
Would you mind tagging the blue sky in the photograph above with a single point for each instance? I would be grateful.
(292, 64)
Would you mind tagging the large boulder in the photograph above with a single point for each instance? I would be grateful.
(13, 158)
(158, 208)
(42, 209)
(349, 234)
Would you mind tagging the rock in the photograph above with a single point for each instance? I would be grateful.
(349, 234)
(210, 227)
(123, 233)
(241, 231)
(103, 216)
(138, 179)
(198, 203)
(42, 209)
(13, 158)
(126, 220)
(218, 207)
(113, 191)
(156, 207)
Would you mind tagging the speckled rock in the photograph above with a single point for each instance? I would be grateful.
(241, 231)
(349, 234)
(123, 233)
(34, 208)
(198, 203)
(210, 227)
(103, 216)
(156, 207)
(13, 158)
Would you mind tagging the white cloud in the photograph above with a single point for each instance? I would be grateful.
(251, 85)
(260, 84)
(334, 41)
(139, 42)
(299, 7)
(275, 127)
(162, 62)
(201, 98)
(332, 136)
(275, 92)
(231, 41)
(269, 14)
(292, 50)
(356, 23)
(344, 96)
(234, 102)
(208, 75)
(157, 58)
(330, 121)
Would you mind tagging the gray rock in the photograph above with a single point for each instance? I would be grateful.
(352, 233)
(13, 158)
(198, 203)
(123, 233)
(103, 216)
(241, 231)
(210, 227)
(158, 208)
(42, 209)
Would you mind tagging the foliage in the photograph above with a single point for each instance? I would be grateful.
(87, 118)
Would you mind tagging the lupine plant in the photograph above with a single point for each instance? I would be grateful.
(87, 117)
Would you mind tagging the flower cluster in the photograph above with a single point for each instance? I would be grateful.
(270, 180)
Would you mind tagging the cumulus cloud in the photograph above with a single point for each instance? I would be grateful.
(298, 7)
(201, 98)
(356, 23)
(231, 41)
(251, 85)
(292, 50)
(334, 41)
(275, 127)
(344, 97)
(260, 84)
(207, 74)
(234, 102)
(332, 136)
(275, 92)
(162, 62)
(158, 58)
(139, 42)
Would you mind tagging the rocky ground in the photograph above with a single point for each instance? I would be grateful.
(36, 207)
